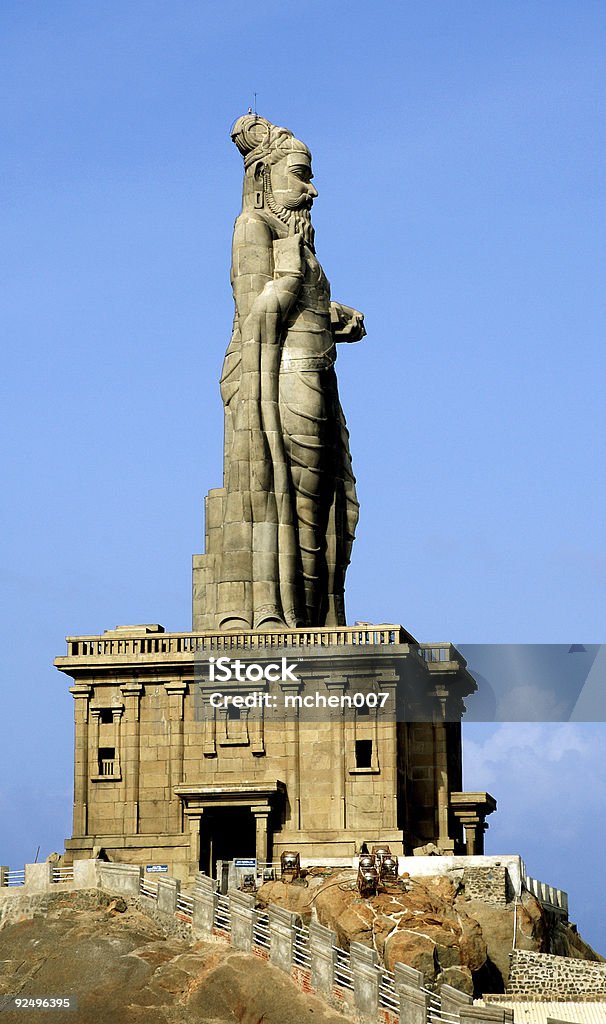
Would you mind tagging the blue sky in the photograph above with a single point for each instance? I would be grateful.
(459, 156)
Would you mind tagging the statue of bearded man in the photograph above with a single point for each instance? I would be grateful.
(290, 508)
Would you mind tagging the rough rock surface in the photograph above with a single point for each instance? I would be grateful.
(124, 970)
(429, 924)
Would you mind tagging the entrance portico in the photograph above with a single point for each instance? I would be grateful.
(228, 820)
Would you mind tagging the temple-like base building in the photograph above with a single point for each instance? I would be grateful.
(158, 783)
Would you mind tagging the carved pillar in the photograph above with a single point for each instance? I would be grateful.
(292, 728)
(81, 694)
(176, 693)
(132, 695)
(336, 686)
(256, 731)
(117, 718)
(444, 841)
(389, 736)
(205, 712)
(193, 821)
(94, 716)
(261, 814)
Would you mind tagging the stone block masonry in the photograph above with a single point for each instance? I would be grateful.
(542, 974)
(490, 884)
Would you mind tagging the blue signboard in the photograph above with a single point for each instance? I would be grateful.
(245, 862)
(157, 867)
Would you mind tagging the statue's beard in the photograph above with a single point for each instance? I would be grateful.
(297, 221)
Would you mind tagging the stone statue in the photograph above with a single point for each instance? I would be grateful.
(289, 501)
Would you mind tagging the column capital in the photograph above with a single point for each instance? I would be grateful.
(288, 687)
(80, 690)
(131, 689)
(177, 687)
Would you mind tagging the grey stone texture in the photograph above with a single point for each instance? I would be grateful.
(414, 1004)
(546, 975)
(490, 884)
(243, 916)
(168, 892)
(282, 937)
(366, 980)
(120, 878)
(485, 1015)
(322, 943)
(279, 532)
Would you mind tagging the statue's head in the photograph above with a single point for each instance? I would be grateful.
(277, 172)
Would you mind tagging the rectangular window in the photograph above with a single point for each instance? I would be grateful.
(105, 716)
(363, 753)
(107, 760)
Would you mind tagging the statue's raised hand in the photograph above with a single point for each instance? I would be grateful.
(347, 324)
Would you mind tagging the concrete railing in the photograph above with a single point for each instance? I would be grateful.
(354, 980)
(439, 653)
(153, 644)
(35, 877)
(351, 979)
(547, 895)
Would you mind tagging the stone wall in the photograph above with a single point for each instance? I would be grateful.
(24, 906)
(490, 884)
(542, 974)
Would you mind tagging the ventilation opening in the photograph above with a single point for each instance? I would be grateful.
(363, 753)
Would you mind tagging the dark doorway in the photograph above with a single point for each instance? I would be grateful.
(225, 833)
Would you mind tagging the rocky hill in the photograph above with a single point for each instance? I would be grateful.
(431, 925)
(124, 970)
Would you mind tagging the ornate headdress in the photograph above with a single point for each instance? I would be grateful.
(261, 141)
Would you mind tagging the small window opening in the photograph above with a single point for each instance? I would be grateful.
(363, 711)
(105, 716)
(233, 713)
(107, 760)
(363, 753)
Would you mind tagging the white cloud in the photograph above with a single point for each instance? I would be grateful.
(549, 780)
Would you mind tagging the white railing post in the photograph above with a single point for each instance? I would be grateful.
(168, 894)
(124, 879)
(322, 942)
(243, 917)
(485, 1015)
(414, 1000)
(205, 900)
(366, 977)
(452, 999)
(86, 874)
(282, 937)
(38, 877)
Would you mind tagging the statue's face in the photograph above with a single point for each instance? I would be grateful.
(291, 182)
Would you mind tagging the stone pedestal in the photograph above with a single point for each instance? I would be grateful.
(269, 781)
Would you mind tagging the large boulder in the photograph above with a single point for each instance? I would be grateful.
(430, 925)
